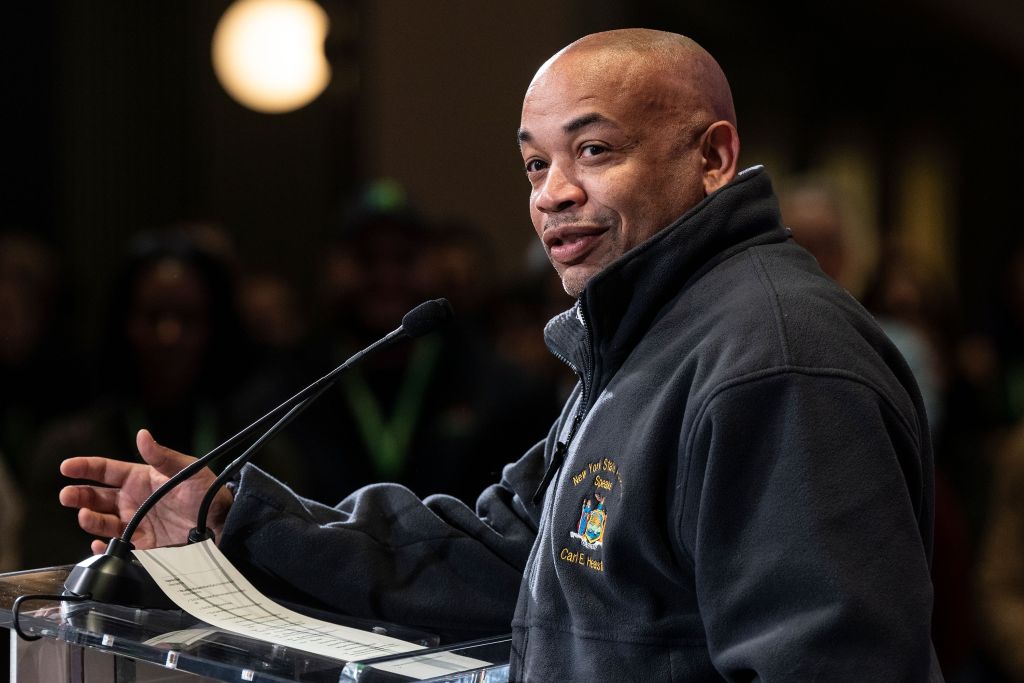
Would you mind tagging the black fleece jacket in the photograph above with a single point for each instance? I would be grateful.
(740, 487)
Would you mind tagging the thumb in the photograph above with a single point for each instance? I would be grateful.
(166, 461)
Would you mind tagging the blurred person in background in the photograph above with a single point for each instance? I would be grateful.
(172, 356)
(1001, 568)
(36, 351)
(39, 373)
(1007, 338)
(441, 414)
(512, 320)
(272, 315)
(453, 264)
(992, 359)
(916, 309)
(813, 211)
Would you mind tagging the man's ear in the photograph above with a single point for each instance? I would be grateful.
(720, 151)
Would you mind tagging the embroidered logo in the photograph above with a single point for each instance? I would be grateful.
(590, 529)
(602, 479)
(604, 484)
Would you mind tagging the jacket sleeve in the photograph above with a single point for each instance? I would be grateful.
(812, 542)
(383, 553)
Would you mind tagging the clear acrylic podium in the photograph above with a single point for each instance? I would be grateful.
(91, 642)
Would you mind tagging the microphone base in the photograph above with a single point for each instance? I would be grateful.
(196, 536)
(117, 578)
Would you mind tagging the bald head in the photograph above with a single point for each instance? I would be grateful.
(621, 133)
(661, 58)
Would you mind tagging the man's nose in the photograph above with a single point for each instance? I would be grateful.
(561, 191)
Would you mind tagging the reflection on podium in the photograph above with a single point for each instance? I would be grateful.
(92, 642)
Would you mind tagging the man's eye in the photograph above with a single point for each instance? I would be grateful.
(534, 165)
(592, 150)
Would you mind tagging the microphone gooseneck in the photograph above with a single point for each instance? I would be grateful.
(425, 318)
(117, 577)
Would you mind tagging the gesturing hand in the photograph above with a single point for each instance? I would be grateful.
(105, 510)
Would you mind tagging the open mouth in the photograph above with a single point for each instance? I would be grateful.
(571, 246)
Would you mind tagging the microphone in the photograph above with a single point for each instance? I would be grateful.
(425, 318)
(117, 577)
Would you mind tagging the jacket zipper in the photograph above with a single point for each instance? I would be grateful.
(562, 447)
(557, 459)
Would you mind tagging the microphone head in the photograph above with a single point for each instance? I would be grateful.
(427, 317)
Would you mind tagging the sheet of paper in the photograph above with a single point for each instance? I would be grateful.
(201, 581)
(430, 666)
(183, 638)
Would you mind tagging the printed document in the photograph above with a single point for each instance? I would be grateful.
(201, 581)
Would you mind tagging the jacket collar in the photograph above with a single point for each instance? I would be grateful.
(620, 303)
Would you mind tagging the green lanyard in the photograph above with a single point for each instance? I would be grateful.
(388, 442)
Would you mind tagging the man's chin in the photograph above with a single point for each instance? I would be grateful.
(575, 278)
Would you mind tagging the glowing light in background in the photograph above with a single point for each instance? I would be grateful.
(269, 54)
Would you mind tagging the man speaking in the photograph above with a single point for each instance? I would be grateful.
(739, 487)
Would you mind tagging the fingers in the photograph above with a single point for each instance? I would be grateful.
(95, 498)
(98, 547)
(102, 470)
(166, 461)
(99, 524)
(111, 472)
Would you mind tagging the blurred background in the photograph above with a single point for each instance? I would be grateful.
(208, 204)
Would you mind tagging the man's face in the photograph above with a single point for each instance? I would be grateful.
(612, 155)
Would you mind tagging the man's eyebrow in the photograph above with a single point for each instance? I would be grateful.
(584, 121)
(523, 135)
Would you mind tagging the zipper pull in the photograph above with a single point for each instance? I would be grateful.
(557, 458)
